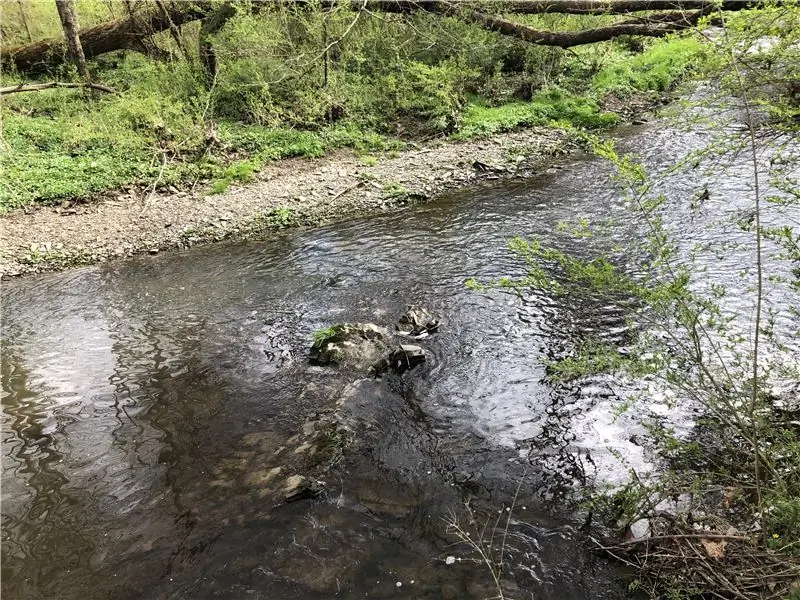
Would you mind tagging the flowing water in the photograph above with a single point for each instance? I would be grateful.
(151, 406)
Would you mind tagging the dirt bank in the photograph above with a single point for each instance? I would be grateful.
(288, 193)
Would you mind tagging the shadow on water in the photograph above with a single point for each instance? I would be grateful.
(153, 410)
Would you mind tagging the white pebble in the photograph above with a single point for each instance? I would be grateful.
(450, 560)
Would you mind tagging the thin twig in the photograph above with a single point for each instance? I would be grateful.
(759, 268)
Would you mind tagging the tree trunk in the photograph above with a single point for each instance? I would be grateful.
(36, 87)
(653, 26)
(536, 7)
(24, 20)
(69, 22)
(122, 34)
(209, 26)
(174, 30)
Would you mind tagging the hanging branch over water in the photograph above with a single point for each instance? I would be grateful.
(134, 31)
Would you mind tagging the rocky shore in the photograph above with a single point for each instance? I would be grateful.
(289, 193)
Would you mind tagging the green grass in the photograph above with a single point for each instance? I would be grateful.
(552, 105)
(658, 68)
(395, 189)
(320, 336)
(240, 170)
(65, 153)
(280, 217)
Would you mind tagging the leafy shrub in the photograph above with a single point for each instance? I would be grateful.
(550, 105)
(656, 69)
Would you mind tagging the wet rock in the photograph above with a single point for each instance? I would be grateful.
(417, 321)
(356, 344)
(405, 357)
(298, 487)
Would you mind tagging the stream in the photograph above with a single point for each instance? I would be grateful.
(152, 408)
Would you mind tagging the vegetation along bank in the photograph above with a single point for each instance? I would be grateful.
(230, 119)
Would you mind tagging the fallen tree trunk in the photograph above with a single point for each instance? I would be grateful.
(35, 87)
(131, 32)
(122, 34)
(537, 7)
(654, 26)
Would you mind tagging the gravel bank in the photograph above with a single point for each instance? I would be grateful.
(296, 192)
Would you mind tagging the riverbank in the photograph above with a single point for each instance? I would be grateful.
(288, 193)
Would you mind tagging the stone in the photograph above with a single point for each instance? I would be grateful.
(417, 321)
(357, 344)
(298, 487)
(403, 358)
(639, 530)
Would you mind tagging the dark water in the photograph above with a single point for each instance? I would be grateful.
(148, 405)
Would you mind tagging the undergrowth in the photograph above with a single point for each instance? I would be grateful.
(394, 80)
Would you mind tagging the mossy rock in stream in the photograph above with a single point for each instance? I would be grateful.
(359, 345)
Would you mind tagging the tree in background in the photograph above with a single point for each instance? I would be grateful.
(69, 23)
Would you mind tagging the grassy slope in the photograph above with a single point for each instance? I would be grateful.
(60, 145)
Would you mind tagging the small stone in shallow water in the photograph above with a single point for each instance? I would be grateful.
(450, 560)
(639, 530)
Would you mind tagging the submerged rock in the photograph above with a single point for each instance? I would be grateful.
(298, 487)
(405, 357)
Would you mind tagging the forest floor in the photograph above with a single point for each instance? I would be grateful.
(286, 193)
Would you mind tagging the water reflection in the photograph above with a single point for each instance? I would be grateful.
(148, 404)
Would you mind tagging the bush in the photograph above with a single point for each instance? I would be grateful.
(656, 69)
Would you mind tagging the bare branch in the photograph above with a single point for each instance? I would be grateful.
(35, 87)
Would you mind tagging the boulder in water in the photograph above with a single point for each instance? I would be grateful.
(357, 344)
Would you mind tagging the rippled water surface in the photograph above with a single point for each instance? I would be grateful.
(148, 403)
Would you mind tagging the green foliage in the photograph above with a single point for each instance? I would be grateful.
(281, 217)
(681, 338)
(394, 189)
(238, 171)
(549, 106)
(322, 335)
(782, 523)
(60, 144)
(657, 69)
(295, 82)
(41, 163)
